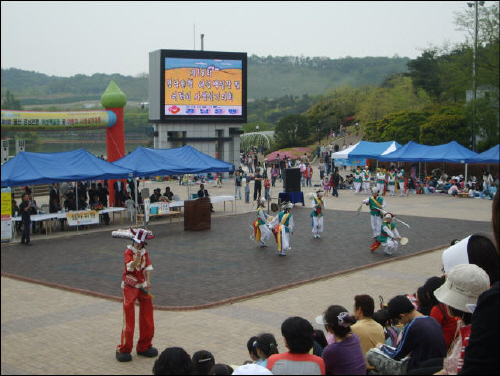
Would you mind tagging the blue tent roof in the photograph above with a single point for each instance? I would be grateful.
(178, 161)
(372, 150)
(28, 168)
(366, 149)
(451, 152)
(489, 156)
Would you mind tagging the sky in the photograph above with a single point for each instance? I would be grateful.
(67, 38)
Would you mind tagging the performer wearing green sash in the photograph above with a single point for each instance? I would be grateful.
(376, 204)
(401, 180)
(261, 229)
(391, 182)
(366, 175)
(381, 180)
(388, 235)
(318, 206)
(283, 224)
(358, 180)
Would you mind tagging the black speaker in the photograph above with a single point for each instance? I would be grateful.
(291, 180)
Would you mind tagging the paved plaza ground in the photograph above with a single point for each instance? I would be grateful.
(214, 289)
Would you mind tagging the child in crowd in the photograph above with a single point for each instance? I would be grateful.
(326, 186)
(267, 188)
(266, 346)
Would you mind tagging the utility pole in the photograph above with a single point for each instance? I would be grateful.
(475, 4)
(202, 36)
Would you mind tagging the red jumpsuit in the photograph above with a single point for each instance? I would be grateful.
(130, 295)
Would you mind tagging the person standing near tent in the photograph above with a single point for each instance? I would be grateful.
(25, 210)
(401, 181)
(376, 204)
(366, 180)
(358, 180)
(283, 225)
(261, 229)
(391, 182)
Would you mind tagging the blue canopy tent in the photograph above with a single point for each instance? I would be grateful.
(373, 150)
(28, 168)
(490, 156)
(451, 152)
(177, 161)
(367, 150)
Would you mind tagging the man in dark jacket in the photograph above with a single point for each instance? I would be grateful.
(25, 209)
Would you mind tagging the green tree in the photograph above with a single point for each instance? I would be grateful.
(448, 123)
(398, 94)
(10, 102)
(486, 120)
(401, 127)
(424, 71)
(292, 130)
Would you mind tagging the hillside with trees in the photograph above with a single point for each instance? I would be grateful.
(268, 77)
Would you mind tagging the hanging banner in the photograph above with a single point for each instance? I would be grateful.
(32, 120)
(6, 214)
(90, 217)
(350, 162)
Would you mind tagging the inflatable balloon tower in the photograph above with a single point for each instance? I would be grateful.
(114, 100)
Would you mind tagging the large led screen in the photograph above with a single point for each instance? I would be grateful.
(203, 85)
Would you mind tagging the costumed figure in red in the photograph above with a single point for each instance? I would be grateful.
(135, 284)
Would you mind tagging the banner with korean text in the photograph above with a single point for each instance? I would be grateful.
(89, 217)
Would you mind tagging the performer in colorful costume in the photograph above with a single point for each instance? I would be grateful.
(366, 180)
(318, 206)
(401, 181)
(358, 180)
(135, 281)
(283, 227)
(391, 182)
(388, 236)
(261, 225)
(381, 180)
(376, 204)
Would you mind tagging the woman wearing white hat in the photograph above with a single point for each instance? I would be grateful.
(464, 284)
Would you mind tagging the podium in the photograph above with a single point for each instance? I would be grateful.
(197, 214)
